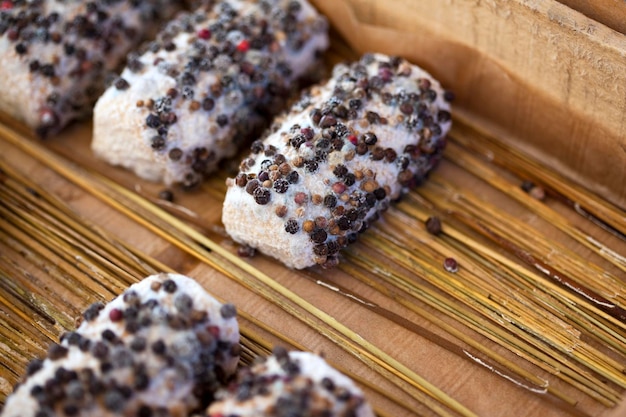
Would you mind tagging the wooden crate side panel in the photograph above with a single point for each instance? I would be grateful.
(550, 79)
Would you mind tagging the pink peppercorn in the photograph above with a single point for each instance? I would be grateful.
(300, 198)
(385, 74)
(243, 46)
(307, 132)
(451, 265)
(116, 315)
(214, 330)
(204, 34)
(339, 187)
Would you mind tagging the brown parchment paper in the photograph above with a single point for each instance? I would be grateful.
(546, 78)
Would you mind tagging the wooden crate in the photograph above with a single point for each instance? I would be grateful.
(538, 76)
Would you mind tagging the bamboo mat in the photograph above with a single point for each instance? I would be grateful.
(495, 287)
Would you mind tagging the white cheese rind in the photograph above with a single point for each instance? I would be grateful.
(167, 304)
(80, 57)
(162, 348)
(407, 113)
(315, 388)
(122, 136)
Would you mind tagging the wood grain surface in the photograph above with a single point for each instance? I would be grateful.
(611, 13)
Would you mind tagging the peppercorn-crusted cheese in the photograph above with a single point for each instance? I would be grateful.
(336, 160)
(206, 85)
(154, 306)
(162, 348)
(291, 383)
(56, 54)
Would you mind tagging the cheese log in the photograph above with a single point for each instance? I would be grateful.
(336, 160)
(162, 348)
(57, 54)
(291, 384)
(205, 86)
(167, 302)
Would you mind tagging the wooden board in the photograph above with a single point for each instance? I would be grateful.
(479, 389)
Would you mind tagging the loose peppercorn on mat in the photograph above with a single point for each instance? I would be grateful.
(495, 288)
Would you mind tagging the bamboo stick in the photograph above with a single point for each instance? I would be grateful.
(564, 278)
(481, 355)
(485, 328)
(185, 238)
(528, 332)
(492, 149)
(533, 280)
(252, 344)
(556, 335)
